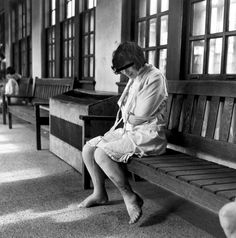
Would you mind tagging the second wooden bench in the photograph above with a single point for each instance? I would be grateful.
(35, 108)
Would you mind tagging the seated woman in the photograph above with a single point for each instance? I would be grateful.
(12, 87)
(143, 106)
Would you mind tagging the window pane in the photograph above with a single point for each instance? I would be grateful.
(66, 50)
(86, 23)
(164, 30)
(217, 14)
(215, 51)
(90, 4)
(68, 10)
(199, 18)
(86, 45)
(153, 7)
(232, 15)
(162, 60)
(92, 21)
(142, 8)
(141, 34)
(53, 18)
(91, 67)
(164, 5)
(53, 4)
(197, 55)
(231, 55)
(151, 57)
(70, 48)
(85, 67)
(91, 44)
(152, 32)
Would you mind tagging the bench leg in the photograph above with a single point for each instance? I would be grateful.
(38, 127)
(85, 177)
(4, 109)
(10, 120)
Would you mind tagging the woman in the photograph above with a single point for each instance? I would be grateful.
(143, 105)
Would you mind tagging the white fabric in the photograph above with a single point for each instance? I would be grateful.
(12, 87)
(143, 106)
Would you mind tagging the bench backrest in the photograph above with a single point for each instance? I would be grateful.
(45, 88)
(202, 119)
(25, 86)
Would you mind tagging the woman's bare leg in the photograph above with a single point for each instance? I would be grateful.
(99, 195)
(116, 174)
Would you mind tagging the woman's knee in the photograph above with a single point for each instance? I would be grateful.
(227, 215)
(100, 156)
(87, 151)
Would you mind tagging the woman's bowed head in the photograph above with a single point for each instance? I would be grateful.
(142, 106)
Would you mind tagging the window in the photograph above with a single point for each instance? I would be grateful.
(68, 29)
(211, 39)
(88, 40)
(152, 30)
(50, 13)
(21, 37)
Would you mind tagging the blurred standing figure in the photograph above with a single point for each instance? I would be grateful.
(12, 78)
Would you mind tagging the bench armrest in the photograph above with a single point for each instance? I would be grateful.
(96, 117)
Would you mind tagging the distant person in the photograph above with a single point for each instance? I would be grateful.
(227, 216)
(143, 106)
(12, 86)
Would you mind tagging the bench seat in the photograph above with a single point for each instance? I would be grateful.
(205, 183)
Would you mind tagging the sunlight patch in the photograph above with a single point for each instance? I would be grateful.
(18, 175)
(61, 215)
(9, 148)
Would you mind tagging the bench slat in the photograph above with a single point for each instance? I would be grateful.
(211, 123)
(220, 187)
(214, 181)
(208, 176)
(187, 112)
(195, 172)
(226, 118)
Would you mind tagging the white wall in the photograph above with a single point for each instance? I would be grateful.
(36, 38)
(108, 37)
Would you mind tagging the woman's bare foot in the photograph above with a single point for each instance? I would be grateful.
(134, 207)
(94, 200)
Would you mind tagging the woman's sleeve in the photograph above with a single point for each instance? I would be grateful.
(148, 100)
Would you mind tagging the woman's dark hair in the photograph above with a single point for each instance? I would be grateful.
(128, 52)
(10, 70)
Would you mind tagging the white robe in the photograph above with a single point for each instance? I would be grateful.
(143, 98)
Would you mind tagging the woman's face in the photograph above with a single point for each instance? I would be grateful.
(130, 72)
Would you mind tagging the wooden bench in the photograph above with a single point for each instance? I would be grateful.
(25, 88)
(200, 161)
(35, 110)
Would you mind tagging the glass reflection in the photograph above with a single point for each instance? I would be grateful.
(85, 67)
(215, 52)
(91, 67)
(162, 60)
(152, 32)
(231, 55)
(141, 34)
(164, 30)
(197, 56)
(86, 45)
(151, 57)
(153, 7)
(164, 5)
(199, 18)
(232, 15)
(217, 15)
(142, 8)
